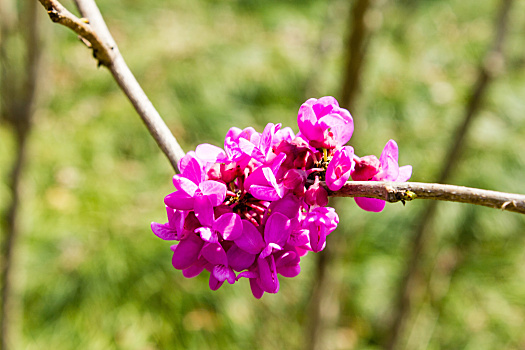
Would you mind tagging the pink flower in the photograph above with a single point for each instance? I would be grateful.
(254, 208)
(339, 168)
(174, 228)
(368, 168)
(214, 253)
(316, 195)
(191, 184)
(324, 124)
(262, 182)
(320, 222)
(228, 226)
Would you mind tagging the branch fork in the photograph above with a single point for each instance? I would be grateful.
(102, 52)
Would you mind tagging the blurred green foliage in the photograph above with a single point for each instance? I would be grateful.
(92, 275)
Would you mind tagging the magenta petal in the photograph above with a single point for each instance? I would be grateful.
(256, 177)
(294, 178)
(195, 269)
(370, 204)
(214, 283)
(185, 160)
(256, 289)
(184, 185)
(288, 206)
(405, 172)
(343, 132)
(266, 251)
(269, 281)
(248, 274)
(339, 168)
(286, 257)
(307, 122)
(249, 148)
(164, 231)
(265, 143)
(215, 190)
(229, 225)
(276, 163)
(179, 200)
(331, 120)
(390, 150)
(172, 215)
(389, 162)
(262, 185)
(285, 134)
(231, 137)
(264, 193)
(176, 219)
(264, 176)
(238, 259)
(186, 252)
(326, 101)
(204, 210)
(223, 273)
(270, 176)
(277, 229)
(289, 271)
(299, 238)
(317, 233)
(316, 195)
(390, 170)
(207, 234)
(210, 153)
(251, 240)
(287, 263)
(194, 171)
(215, 254)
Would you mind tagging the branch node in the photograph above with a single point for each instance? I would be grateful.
(85, 42)
(504, 205)
(405, 196)
(53, 14)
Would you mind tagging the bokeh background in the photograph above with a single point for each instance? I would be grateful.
(89, 274)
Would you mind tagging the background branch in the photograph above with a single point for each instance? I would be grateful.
(94, 30)
(489, 67)
(18, 89)
(355, 52)
(325, 284)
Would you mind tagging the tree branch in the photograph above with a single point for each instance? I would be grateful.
(355, 52)
(93, 30)
(18, 88)
(406, 191)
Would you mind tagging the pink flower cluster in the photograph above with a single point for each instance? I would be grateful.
(254, 208)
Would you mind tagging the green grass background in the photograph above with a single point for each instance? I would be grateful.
(91, 275)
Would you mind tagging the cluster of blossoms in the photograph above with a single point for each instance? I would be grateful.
(254, 208)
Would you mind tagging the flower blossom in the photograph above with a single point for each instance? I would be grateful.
(252, 209)
(369, 168)
(324, 124)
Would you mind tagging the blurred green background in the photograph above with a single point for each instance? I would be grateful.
(91, 275)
